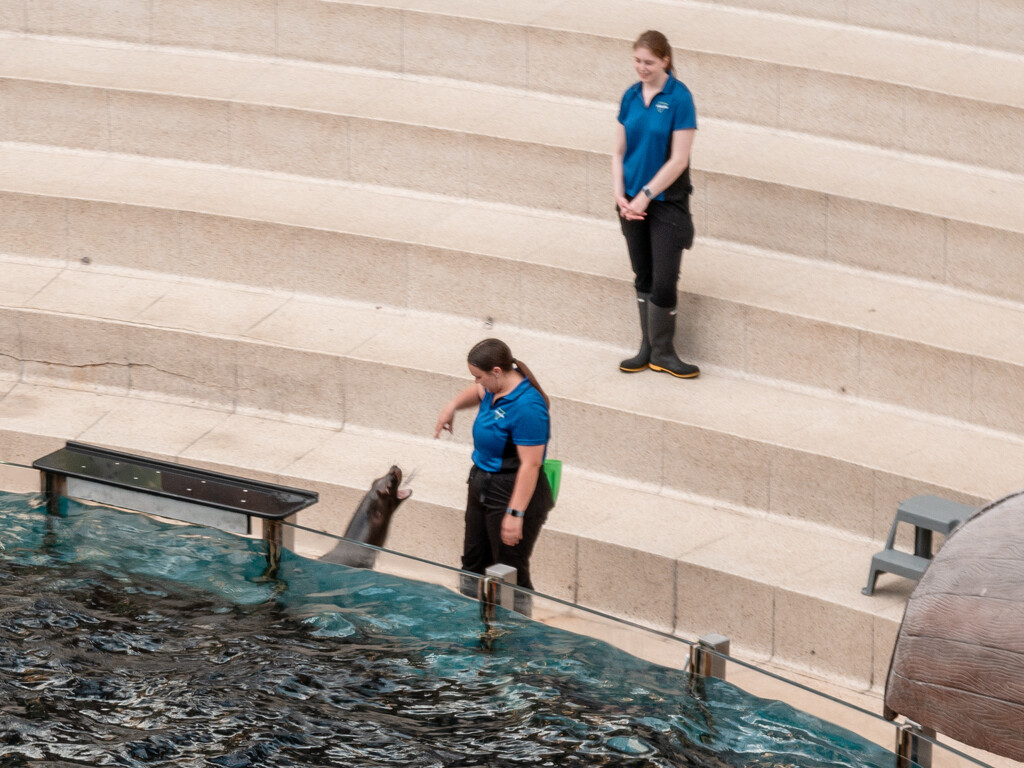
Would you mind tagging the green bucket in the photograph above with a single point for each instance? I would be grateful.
(553, 472)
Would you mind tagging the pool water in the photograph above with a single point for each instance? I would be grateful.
(125, 641)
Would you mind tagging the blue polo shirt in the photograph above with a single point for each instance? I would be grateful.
(649, 134)
(518, 418)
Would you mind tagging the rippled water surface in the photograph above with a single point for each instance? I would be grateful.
(128, 642)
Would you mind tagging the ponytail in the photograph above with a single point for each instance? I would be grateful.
(495, 353)
(523, 369)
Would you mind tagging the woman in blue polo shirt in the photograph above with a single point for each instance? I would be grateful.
(651, 172)
(509, 496)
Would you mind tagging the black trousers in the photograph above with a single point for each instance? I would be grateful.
(488, 497)
(656, 246)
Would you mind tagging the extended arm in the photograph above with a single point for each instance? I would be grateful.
(467, 398)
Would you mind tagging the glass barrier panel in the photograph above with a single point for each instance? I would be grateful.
(822, 699)
(568, 677)
(647, 671)
(317, 545)
(725, 715)
(642, 702)
(639, 641)
(836, 720)
(18, 478)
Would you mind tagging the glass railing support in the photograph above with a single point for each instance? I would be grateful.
(496, 589)
(708, 654)
(913, 745)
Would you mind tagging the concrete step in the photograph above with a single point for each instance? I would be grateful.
(900, 563)
(719, 22)
(525, 44)
(986, 25)
(812, 196)
(810, 323)
(128, 80)
(833, 461)
(778, 588)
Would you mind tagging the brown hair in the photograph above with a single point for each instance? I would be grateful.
(495, 353)
(656, 43)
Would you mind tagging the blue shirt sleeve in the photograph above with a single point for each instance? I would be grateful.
(684, 116)
(531, 423)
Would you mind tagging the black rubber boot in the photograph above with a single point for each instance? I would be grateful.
(663, 352)
(643, 357)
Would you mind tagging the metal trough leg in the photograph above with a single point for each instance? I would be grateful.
(54, 488)
(272, 536)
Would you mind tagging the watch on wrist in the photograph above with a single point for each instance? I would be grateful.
(515, 512)
(647, 191)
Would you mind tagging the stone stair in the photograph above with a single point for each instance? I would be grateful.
(655, 551)
(237, 234)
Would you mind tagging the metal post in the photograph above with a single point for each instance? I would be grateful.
(707, 656)
(923, 543)
(495, 589)
(913, 745)
(272, 535)
(54, 488)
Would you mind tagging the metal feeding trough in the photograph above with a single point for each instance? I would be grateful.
(170, 490)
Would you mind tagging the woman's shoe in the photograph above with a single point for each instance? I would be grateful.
(640, 361)
(662, 324)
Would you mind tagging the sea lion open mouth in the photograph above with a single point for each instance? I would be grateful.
(395, 488)
(371, 521)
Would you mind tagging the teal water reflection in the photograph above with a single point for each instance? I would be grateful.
(127, 641)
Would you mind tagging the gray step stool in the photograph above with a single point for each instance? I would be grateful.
(926, 514)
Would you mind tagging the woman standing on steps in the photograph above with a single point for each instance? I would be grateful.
(651, 173)
(509, 496)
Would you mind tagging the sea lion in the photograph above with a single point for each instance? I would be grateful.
(371, 521)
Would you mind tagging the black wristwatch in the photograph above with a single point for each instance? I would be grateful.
(647, 191)
(515, 512)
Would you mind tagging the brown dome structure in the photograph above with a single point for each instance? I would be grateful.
(958, 665)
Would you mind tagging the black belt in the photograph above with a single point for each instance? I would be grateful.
(477, 470)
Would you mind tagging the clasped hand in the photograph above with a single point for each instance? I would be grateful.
(633, 210)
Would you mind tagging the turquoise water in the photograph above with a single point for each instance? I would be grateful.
(125, 641)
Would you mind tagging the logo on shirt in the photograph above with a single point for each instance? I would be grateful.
(499, 414)
(661, 106)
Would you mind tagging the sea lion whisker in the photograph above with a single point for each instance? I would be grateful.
(409, 477)
(370, 523)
